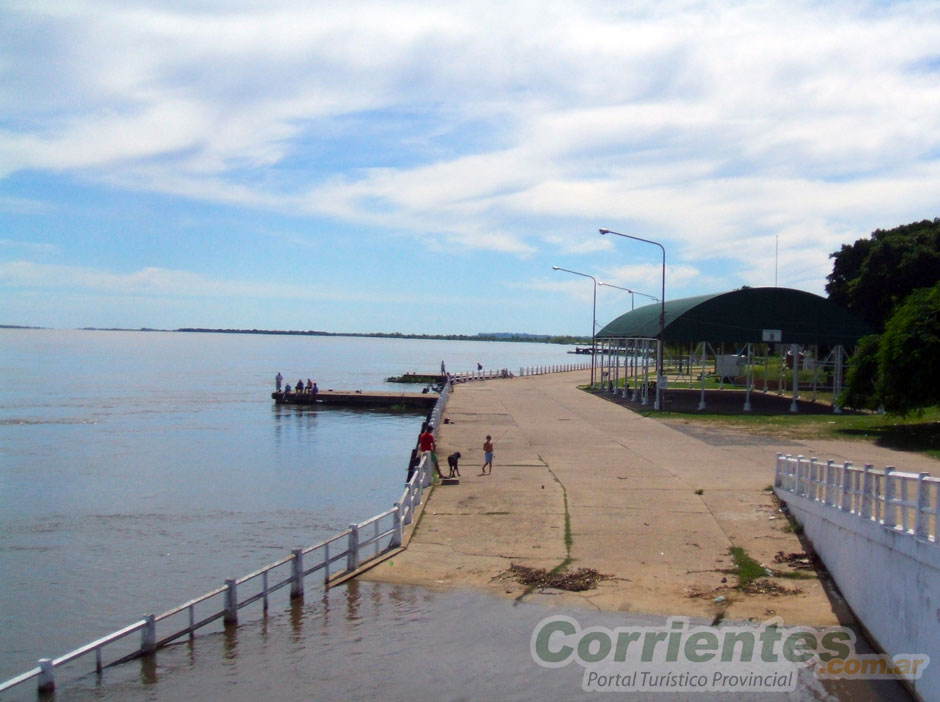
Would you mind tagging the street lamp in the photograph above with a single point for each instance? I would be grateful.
(593, 315)
(632, 293)
(662, 313)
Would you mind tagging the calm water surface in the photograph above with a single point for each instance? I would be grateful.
(140, 469)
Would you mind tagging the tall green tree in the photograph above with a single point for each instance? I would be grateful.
(909, 354)
(871, 276)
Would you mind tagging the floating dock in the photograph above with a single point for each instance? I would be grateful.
(356, 398)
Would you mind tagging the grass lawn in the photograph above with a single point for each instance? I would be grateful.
(913, 433)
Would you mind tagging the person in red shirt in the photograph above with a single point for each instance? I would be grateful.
(426, 444)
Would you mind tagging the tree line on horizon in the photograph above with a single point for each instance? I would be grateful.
(891, 279)
(495, 336)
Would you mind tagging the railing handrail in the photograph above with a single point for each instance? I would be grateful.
(493, 374)
(402, 513)
(878, 495)
(103, 641)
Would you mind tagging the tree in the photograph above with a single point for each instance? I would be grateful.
(861, 379)
(909, 354)
(873, 275)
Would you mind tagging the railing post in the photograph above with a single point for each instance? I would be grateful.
(352, 550)
(891, 508)
(297, 574)
(148, 635)
(326, 564)
(846, 505)
(231, 602)
(799, 475)
(426, 476)
(830, 471)
(398, 534)
(778, 474)
(813, 479)
(921, 520)
(408, 505)
(46, 675)
(867, 491)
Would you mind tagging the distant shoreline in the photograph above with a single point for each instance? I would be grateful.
(501, 336)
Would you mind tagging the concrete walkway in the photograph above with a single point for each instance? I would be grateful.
(654, 507)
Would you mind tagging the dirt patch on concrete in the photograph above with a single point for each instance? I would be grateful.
(577, 580)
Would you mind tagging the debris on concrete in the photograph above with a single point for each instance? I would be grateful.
(797, 561)
(769, 587)
(576, 580)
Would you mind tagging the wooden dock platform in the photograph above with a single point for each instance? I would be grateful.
(356, 398)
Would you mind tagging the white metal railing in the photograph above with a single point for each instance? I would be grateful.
(492, 374)
(554, 368)
(903, 502)
(354, 547)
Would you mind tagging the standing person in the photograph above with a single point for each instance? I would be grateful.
(426, 444)
(488, 454)
(278, 379)
(443, 370)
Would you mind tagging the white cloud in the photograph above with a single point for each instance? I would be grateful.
(710, 125)
(29, 247)
(150, 282)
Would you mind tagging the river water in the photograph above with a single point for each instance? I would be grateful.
(141, 469)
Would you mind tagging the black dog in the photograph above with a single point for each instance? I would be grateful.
(452, 462)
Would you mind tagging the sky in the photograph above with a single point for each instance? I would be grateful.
(419, 167)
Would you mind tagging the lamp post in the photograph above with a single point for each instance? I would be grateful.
(662, 313)
(632, 293)
(593, 314)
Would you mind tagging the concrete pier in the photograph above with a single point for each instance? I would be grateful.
(351, 398)
(656, 508)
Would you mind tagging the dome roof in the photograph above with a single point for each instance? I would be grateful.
(743, 316)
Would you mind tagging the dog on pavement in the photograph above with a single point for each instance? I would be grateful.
(452, 463)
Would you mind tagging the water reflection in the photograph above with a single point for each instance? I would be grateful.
(362, 640)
